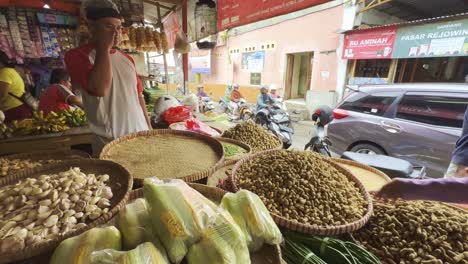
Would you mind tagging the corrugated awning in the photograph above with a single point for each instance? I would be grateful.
(415, 22)
(416, 9)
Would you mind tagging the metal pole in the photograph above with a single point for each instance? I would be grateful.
(185, 57)
(164, 54)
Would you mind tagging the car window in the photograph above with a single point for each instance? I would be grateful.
(374, 104)
(439, 110)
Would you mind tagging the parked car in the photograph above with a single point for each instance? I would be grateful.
(419, 123)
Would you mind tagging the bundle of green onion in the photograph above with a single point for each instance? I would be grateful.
(302, 248)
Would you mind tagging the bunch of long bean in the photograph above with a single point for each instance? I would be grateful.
(298, 253)
(330, 250)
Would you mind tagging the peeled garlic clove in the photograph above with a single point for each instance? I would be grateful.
(103, 203)
(43, 209)
(74, 198)
(94, 215)
(79, 215)
(54, 230)
(94, 200)
(10, 244)
(69, 213)
(30, 226)
(51, 220)
(90, 208)
(46, 202)
(71, 220)
(23, 233)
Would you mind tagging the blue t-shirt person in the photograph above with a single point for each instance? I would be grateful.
(460, 154)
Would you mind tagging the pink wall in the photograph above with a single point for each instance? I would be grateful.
(316, 32)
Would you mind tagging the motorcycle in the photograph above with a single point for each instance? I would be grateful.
(393, 167)
(206, 104)
(242, 113)
(320, 143)
(275, 118)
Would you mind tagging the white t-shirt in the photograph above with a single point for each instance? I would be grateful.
(119, 112)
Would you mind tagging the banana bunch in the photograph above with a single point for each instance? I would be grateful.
(40, 124)
(74, 118)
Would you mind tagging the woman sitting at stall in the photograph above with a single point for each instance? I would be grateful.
(11, 91)
(59, 96)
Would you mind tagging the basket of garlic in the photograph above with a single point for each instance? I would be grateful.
(41, 207)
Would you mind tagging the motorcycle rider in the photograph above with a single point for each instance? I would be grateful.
(236, 96)
(200, 91)
(264, 99)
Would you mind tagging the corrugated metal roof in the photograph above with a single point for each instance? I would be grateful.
(420, 9)
(419, 21)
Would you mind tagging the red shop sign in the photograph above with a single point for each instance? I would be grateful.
(233, 13)
(370, 43)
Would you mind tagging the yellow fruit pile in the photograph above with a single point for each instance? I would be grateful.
(40, 124)
(74, 118)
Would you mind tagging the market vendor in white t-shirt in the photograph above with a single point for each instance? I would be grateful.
(107, 77)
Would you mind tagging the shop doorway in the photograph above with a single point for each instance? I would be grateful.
(298, 75)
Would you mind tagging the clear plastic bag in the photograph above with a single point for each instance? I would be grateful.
(253, 218)
(135, 226)
(145, 253)
(182, 217)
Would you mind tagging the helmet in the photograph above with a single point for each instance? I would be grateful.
(264, 87)
(324, 113)
(199, 86)
(235, 85)
(273, 87)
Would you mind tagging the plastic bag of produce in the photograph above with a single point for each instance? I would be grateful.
(253, 218)
(135, 225)
(145, 253)
(177, 114)
(222, 242)
(178, 214)
(78, 249)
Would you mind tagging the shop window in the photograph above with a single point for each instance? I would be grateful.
(372, 68)
(375, 104)
(255, 78)
(442, 110)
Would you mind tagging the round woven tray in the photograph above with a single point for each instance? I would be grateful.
(267, 255)
(308, 228)
(168, 161)
(220, 176)
(234, 159)
(372, 179)
(120, 181)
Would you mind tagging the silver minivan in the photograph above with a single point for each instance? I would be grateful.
(419, 123)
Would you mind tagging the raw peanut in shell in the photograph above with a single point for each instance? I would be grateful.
(302, 186)
(254, 136)
(416, 232)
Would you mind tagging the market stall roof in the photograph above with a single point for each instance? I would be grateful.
(151, 9)
(416, 9)
(414, 22)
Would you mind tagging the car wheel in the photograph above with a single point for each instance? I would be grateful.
(368, 149)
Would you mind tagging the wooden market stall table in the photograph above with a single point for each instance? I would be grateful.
(54, 141)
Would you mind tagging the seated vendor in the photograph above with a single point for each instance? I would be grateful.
(59, 96)
(11, 91)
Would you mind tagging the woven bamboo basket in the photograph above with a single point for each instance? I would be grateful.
(305, 227)
(372, 179)
(267, 255)
(120, 181)
(233, 160)
(171, 157)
